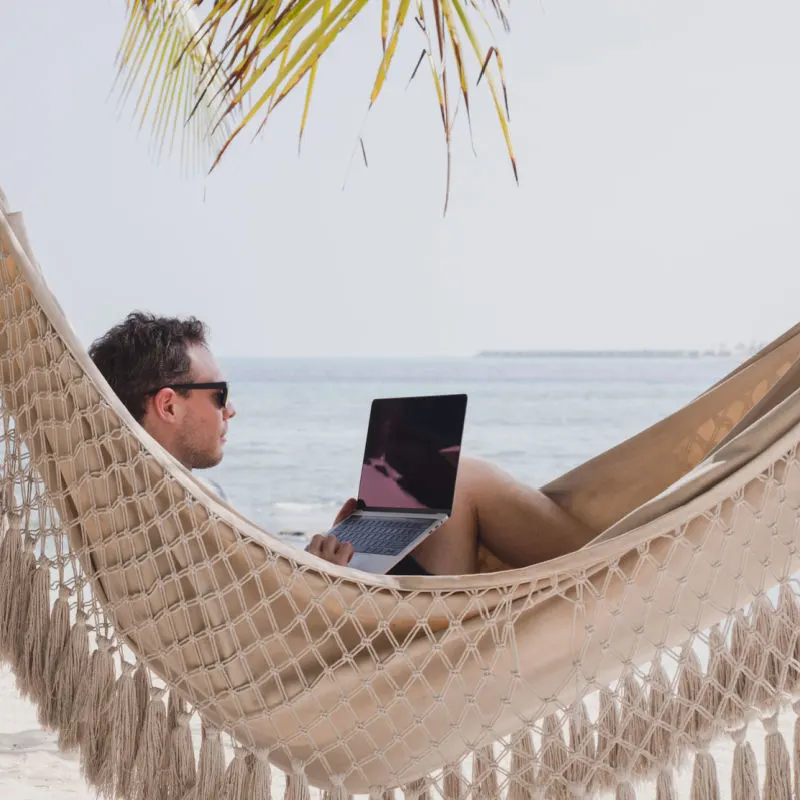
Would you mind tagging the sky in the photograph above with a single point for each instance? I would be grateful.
(658, 145)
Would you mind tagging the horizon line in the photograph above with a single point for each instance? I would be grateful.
(644, 352)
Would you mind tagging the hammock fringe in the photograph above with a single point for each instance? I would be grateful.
(744, 775)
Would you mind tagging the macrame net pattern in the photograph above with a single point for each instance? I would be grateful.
(184, 653)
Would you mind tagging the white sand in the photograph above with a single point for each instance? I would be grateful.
(32, 768)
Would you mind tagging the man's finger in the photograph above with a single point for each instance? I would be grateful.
(347, 509)
(331, 549)
(329, 546)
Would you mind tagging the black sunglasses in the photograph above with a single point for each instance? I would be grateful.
(221, 394)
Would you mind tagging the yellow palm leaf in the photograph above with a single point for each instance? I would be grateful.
(179, 77)
(238, 61)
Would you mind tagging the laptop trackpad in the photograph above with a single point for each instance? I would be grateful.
(367, 562)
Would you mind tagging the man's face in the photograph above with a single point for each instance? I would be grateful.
(200, 435)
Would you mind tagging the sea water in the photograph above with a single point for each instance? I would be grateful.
(294, 448)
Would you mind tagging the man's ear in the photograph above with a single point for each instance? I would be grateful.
(164, 406)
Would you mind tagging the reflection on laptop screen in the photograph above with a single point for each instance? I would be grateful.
(411, 457)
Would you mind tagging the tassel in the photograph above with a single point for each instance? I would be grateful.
(71, 672)
(337, 790)
(745, 657)
(124, 726)
(50, 709)
(625, 791)
(744, 773)
(581, 749)
(705, 785)
(10, 579)
(484, 774)
(237, 777)
(141, 681)
(690, 686)
(211, 766)
(453, 787)
(259, 779)
(787, 634)
(634, 730)
(416, 790)
(712, 694)
(37, 630)
(97, 722)
(777, 766)
(662, 712)
(73, 735)
(796, 709)
(724, 674)
(765, 667)
(296, 783)
(174, 706)
(21, 598)
(554, 758)
(178, 767)
(332, 793)
(522, 778)
(149, 753)
(608, 749)
(665, 786)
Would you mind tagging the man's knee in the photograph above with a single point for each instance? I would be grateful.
(475, 478)
(470, 468)
(476, 475)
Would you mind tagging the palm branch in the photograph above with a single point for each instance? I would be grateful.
(214, 73)
(165, 54)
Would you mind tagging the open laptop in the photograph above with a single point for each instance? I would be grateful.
(408, 478)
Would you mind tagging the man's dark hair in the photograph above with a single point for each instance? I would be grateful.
(144, 353)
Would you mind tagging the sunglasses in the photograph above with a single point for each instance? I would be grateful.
(220, 395)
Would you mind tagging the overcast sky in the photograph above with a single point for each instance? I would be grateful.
(659, 152)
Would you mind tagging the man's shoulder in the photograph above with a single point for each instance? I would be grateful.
(213, 485)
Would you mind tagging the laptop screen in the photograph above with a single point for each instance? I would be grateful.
(411, 457)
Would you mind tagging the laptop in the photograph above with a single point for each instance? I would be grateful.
(408, 478)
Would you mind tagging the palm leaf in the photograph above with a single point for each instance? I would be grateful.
(243, 57)
(178, 77)
(310, 89)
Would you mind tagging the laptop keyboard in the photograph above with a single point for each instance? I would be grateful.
(380, 536)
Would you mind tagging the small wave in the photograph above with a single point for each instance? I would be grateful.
(302, 508)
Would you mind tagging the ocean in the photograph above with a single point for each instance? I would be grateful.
(294, 448)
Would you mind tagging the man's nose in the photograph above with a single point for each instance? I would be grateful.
(229, 411)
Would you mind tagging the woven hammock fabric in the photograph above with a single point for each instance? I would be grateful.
(132, 599)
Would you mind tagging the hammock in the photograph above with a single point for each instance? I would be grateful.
(134, 602)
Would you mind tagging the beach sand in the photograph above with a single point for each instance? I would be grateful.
(32, 768)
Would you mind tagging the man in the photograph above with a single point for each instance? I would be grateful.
(164, 373)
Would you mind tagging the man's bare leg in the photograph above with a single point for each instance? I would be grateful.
(518, 523)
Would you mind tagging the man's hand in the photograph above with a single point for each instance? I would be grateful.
(329, 547)
(347, 509)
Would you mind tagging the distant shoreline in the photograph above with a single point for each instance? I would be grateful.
(612, 353)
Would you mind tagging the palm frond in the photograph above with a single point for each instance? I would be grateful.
(179, 79)
(245, 56)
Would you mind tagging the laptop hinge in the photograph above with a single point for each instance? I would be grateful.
(428, 513)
